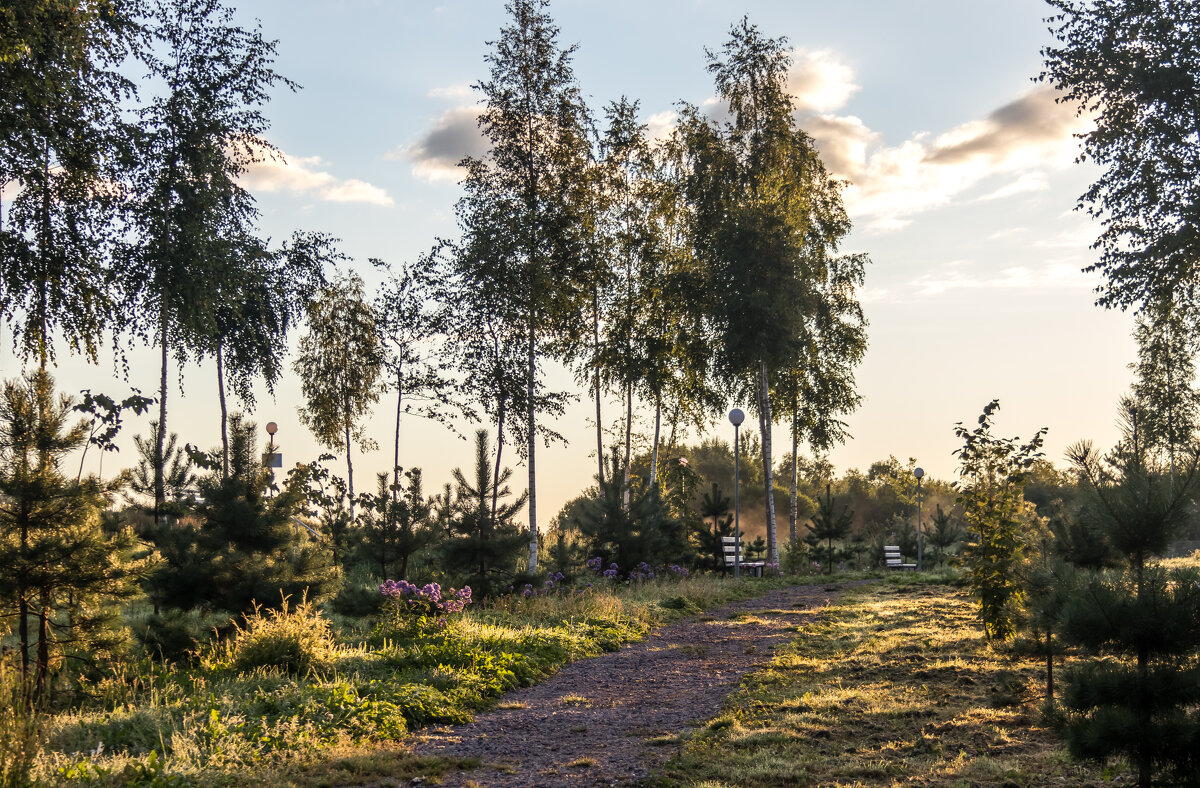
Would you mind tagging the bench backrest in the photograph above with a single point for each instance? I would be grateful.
(729, 546)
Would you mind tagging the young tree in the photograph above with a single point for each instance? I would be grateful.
(58, 559)
(339, 363)
(485, 542)
(522, 208)
(766, 218)
(243, 546)
(830, 523)
(1168, 402)
(993, 471)
(1132, 66)
(396, 523)
(195, 223)
(1137, 694)
(169, 471)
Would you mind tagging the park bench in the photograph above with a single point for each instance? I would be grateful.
(730, 546)
(891, 556)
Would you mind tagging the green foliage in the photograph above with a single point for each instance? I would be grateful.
(1164, 389)
(339, 362)
(1132, 67)
(943, 535)
(293, 639)
(993, 472)
(395, 523)
(20, 728)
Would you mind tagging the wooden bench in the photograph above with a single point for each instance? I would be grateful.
(891, 556)
(730, 547)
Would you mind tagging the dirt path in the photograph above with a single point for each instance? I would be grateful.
(597, 721)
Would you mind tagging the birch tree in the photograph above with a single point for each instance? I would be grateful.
(523, 198)
(194, 141)
(339, 362)
(759, 192)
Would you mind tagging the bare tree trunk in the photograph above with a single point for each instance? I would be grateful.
(499, 450)
(349, 470)
(160, 464)
(596, 382)
(42, 668)
(533, 531)
(764, 425)
(629, 437)
(657, 429)
(396, 451)
(795, 471)
(224, 410)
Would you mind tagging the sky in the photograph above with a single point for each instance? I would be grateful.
(963, 185)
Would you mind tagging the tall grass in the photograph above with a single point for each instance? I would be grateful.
(280, 697)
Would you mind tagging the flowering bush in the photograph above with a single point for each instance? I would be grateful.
(612, 571)
(418, 610)
(641, 573)
(595, 563)
(677, 570)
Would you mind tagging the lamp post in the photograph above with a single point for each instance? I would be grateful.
(736, 417)
(919, 472)
(273, 461)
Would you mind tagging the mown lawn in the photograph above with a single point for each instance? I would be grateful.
(894, 685)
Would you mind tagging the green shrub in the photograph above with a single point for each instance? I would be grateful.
(19, 730)
(293, 639)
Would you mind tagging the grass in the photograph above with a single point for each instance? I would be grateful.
(893, 685)
(345, 717)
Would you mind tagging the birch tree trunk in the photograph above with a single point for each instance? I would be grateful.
(396, 445)
(533, 531)
(224, 410)
(764, 425)
(628, 440)
(160, 464)
(657, 429)
(795, 471)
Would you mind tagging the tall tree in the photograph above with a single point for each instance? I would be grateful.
(1165, 371)
(261, 299)
(195, 223)
(520, 214)
(412, 326)
(62, 145)
(1132, 66)
(767, 219)
(339, 362)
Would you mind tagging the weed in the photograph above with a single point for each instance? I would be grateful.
(294, 640)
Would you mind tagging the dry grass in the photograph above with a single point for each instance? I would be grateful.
(893, 686)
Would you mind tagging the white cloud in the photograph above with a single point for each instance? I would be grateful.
(890, 184)
(454, 136)
(303, 174)
(959, 275)
(457, 92)
(1028, 182)
(819, 82)
(660, 124)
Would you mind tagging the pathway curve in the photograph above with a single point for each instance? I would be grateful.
(598, 721)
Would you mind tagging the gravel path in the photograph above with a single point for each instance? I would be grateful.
(614, 719)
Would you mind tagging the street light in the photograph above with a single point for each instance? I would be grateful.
(273, 460)
(919, 472)
(736, 417)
